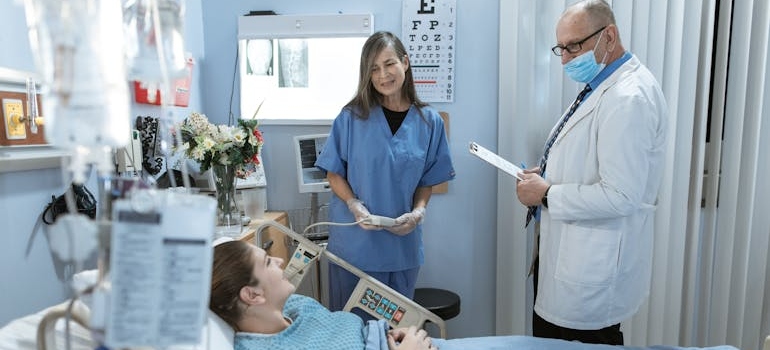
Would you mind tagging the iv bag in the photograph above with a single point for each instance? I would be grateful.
(155, 54)
(78, 47)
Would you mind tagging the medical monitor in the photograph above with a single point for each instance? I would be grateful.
(310, 178)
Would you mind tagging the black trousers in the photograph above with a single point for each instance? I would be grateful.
(544, 329)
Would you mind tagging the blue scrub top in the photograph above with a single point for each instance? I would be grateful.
(383, 170)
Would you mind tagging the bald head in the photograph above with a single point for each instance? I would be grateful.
(597, 12)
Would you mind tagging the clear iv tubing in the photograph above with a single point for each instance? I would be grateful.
(167, 115)
(81, 154)
(69, 199)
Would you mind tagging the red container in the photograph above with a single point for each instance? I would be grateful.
(181, 90)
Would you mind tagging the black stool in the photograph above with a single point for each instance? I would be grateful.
(441, 302)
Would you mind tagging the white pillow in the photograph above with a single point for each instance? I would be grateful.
(83, 280)
(217, 334)
(221, 240)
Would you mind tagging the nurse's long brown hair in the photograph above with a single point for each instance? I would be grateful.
(366, 95)
(232, 270)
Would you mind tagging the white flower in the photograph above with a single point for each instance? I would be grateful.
(239, 137)
(211, 144)
(207, 144)
(198, 153)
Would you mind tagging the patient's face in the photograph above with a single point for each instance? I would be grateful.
(267, 269)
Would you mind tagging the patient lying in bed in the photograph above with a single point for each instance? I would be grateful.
(249, 292)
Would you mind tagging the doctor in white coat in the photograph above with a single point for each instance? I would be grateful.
(596, 187)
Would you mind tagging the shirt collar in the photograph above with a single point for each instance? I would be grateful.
(611, 68)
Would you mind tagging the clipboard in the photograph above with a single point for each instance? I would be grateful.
(494, 159)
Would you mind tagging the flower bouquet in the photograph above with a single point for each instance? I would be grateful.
(230, 152)
(210, 144)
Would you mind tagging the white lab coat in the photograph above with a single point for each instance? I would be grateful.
(596, 235)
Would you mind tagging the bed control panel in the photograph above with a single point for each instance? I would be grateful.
(302, 257)
(382, 302)
(382, 306)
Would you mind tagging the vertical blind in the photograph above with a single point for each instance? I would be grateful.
(711, 281)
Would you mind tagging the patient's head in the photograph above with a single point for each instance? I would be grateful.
(246, 281)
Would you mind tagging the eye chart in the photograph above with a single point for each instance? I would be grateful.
(429, 37)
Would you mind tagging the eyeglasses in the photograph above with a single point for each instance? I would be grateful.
(558, 50)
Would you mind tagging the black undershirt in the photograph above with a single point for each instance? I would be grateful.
(394, 118)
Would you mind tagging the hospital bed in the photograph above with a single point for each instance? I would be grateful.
(22, 334)
(46, 329)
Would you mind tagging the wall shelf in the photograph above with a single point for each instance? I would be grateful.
(21, 158)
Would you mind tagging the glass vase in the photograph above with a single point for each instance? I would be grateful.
(228, 215)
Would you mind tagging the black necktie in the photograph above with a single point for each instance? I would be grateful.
(544, 160)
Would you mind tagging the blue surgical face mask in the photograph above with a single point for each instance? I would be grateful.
(584, 68)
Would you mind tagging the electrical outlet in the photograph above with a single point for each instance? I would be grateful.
(13, 115)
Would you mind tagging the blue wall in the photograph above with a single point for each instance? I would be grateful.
(460, 228)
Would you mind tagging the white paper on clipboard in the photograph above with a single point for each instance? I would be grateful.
(494, 159)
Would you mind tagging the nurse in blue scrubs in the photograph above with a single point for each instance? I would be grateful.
(385, 151)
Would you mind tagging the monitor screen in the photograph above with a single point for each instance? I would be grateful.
(310, 178)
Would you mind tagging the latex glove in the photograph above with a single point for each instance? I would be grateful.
(360, 212)
(407, 222)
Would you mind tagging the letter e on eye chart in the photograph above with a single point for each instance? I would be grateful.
(429, 36)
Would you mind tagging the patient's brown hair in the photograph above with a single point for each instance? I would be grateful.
(232, 270)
